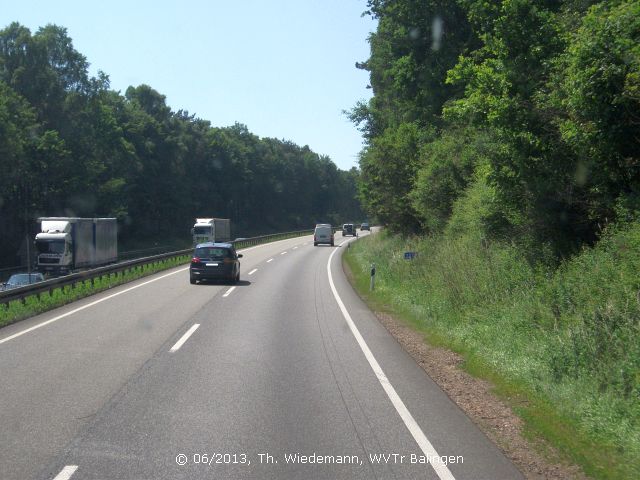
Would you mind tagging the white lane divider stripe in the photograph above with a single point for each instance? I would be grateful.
(253, 271)
(184, 338)
(270, 260)
(295, 248)
(66, 472)
(55, 319)
(228, 292)
(421, 439)
(283, 253)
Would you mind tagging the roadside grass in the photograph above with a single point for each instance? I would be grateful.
(35, 304)
(561, 346)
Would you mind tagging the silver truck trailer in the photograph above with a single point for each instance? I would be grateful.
(65, 244)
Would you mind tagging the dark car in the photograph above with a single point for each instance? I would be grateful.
(215, 261)
(21, 279)
(365, 226)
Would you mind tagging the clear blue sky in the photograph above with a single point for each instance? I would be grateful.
(284, 68)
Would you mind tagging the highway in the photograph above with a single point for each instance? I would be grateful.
(286, 376)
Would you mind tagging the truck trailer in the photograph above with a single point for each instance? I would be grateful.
(65, 244)
(211, 230)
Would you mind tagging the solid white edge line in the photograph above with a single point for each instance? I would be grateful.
(270, 260)
(252, 271)
(418, 435)
(55, 319)
(228, 292)
(184, 338)
(66, 472)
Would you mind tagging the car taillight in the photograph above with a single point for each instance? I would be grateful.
(195, 260)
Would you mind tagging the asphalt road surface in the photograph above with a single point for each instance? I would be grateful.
(288, 375)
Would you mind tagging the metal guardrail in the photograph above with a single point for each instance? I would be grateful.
(78, 277)
(144, 252)
(248, 242)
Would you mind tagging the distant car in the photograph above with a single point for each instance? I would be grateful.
(215, 261)
(21, 279)
(348, 229)
(323, 233)
(365, 226)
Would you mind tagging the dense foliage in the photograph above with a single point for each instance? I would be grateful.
(69, 145)
(538, 100)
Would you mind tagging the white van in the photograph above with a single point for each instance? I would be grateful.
(323, 234)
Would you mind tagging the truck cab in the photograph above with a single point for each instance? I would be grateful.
(203, 231)
(54, 249)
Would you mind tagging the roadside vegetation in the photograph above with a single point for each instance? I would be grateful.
(70, 145)
(561, 345)
(503, 145)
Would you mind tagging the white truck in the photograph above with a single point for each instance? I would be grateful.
(211, 230)
(65, 244)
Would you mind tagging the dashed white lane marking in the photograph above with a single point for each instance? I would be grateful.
(421, 439)
(270, 260)
(253, 271)
(66, 472)
(184, 338)
(228, 292)
(283, 253)
(295, 248)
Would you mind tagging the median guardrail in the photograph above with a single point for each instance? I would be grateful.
(48, 286)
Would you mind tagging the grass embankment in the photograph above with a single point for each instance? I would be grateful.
(35, 304)
(561, 345)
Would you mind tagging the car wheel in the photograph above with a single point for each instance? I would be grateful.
(332, 244)
(192, 281)
(315, 244)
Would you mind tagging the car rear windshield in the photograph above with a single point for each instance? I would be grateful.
(213, 252)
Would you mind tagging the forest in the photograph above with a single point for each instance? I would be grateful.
(72, 146)
(529, 110)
